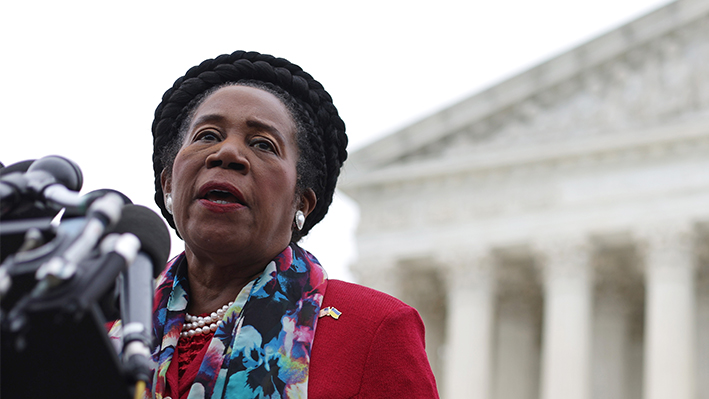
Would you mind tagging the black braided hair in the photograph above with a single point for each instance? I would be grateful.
(321, 137)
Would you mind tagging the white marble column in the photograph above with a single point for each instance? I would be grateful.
(670, 337)
(610, 344)
(516, 372)
(566, 331)
(703, 341)
(469, 327)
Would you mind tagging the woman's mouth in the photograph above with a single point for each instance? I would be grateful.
(221, 197)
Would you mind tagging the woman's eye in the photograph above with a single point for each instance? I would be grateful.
(207, 135)
(264, 145)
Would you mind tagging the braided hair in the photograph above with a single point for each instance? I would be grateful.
(320, 134)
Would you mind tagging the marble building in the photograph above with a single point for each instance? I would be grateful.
(552, 230)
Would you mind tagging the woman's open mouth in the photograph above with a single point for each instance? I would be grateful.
(221, 197)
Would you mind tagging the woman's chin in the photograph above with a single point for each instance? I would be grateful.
(215, 243)
(214, 236)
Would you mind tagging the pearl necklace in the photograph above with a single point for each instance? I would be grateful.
(195, 325)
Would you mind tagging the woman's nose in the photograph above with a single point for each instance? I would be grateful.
(229, 155)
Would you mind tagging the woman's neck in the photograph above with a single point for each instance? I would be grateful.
(214, 284)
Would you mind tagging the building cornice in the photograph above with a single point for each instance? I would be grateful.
(648, 142)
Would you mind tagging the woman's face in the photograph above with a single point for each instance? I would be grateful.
(233, 181)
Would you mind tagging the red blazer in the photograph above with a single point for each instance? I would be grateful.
(376, 348)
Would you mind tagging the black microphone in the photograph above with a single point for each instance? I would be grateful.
(21, 213)
(26, 212)
(41, 174)
(21, 166)
(62, 265)
(89, 198)
(137, 287)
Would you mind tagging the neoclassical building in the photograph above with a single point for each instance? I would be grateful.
(552, 230)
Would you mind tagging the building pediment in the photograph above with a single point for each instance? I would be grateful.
(621, 88)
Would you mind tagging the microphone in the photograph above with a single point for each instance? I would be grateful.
(78, 207)
(21, 166)
(22, 213)
(69, 310)
(31, 185)
(137, 286)
(26, 212)
(24, 235)
(62, 264)
(103, 213)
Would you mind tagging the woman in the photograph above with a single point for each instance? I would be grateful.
(247, 151)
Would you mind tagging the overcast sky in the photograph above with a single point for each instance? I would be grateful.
(81, 79)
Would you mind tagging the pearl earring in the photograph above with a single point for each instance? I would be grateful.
(299, 219)
(168, 203)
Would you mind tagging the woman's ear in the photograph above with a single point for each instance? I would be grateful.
(307, 201)
(165, 182)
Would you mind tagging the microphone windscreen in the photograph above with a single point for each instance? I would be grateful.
(21, 166)
(64, 171)
(96, 194)
(150, 230)
(89, 199)
(28, 210)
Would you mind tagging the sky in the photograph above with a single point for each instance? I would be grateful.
(81, 79)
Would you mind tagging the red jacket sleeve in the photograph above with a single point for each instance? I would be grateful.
(397, 365)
